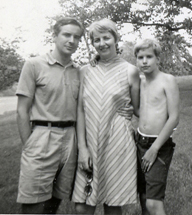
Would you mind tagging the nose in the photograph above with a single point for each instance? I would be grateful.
(102, 42)
(71, 39)
(144, 60)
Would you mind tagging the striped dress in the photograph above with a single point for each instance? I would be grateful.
(109, 137)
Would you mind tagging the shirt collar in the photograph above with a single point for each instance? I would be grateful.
(51, 60)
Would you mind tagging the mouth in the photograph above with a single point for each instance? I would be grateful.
(145, 67)
(103, 49)
(69, 47)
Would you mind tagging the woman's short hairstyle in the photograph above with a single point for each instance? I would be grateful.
(66, 21)
(147, 43)
(104, 25)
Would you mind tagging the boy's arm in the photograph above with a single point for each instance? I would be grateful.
(172, 94)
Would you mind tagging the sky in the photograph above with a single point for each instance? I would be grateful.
(27, 18)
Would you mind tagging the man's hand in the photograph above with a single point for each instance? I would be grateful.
(126, 111)
(149, 158)
(94, 61)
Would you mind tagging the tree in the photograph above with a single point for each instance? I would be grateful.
(169, 19)
(10, 65)
(166, 17)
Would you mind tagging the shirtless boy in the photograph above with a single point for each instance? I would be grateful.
(159, 115)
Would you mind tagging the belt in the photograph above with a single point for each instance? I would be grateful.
(146, 139)
(54, 124)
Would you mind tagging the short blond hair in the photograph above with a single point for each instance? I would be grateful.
(104, 25)
(147, 43)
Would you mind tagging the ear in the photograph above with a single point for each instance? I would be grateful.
(54, 37)
(118, 38)
(158, 60)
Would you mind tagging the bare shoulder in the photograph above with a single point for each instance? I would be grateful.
(83, 68)
(133, 72)
(83, 71)
(132, 69)
(168, 80)
(168, 77)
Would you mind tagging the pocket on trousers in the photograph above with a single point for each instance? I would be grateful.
(158, 172)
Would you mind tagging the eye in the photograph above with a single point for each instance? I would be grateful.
(96, 40)
(77, 37)
(106, 38)
(149, 56)
(66, 34)
(140, 57)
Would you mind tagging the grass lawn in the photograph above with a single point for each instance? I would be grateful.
(179, 189)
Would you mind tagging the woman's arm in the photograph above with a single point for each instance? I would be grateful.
(84, 155)
(134, 88)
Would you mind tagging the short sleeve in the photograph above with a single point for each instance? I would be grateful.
(26, 85)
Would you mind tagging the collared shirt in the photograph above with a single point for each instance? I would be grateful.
(53, 88)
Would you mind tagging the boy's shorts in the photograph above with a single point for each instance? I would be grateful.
(48, 164)
(153, 183)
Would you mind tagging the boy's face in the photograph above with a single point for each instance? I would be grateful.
(68, 39)
(147, 60)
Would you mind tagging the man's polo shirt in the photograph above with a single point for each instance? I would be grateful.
(53, 88)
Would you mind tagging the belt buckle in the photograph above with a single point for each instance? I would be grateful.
(143, 140)
(49, 125)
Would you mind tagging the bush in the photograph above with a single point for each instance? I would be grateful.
(10, 67)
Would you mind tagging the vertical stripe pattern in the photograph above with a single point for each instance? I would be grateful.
(109, 137)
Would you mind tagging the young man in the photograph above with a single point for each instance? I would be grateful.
(46, 114)
(159, 115)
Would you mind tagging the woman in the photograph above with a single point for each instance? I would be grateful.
(105, 139)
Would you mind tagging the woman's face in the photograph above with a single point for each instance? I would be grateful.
(105, 45)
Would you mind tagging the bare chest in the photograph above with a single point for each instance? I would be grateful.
(152, 94)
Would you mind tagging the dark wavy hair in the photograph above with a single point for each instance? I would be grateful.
(66, 21)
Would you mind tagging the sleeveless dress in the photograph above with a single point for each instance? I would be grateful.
(109, 137)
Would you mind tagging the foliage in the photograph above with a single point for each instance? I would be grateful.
(169, 20)
(175, 58)
(170, 23)
(10, 65)
(127, 52)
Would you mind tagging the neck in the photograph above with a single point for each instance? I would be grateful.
(63, 59)
(151, 76)
(106, 60)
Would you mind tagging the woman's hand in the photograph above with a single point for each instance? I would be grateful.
(84, 161)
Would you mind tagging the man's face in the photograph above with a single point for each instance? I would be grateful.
(147, 60)
(68, 39)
